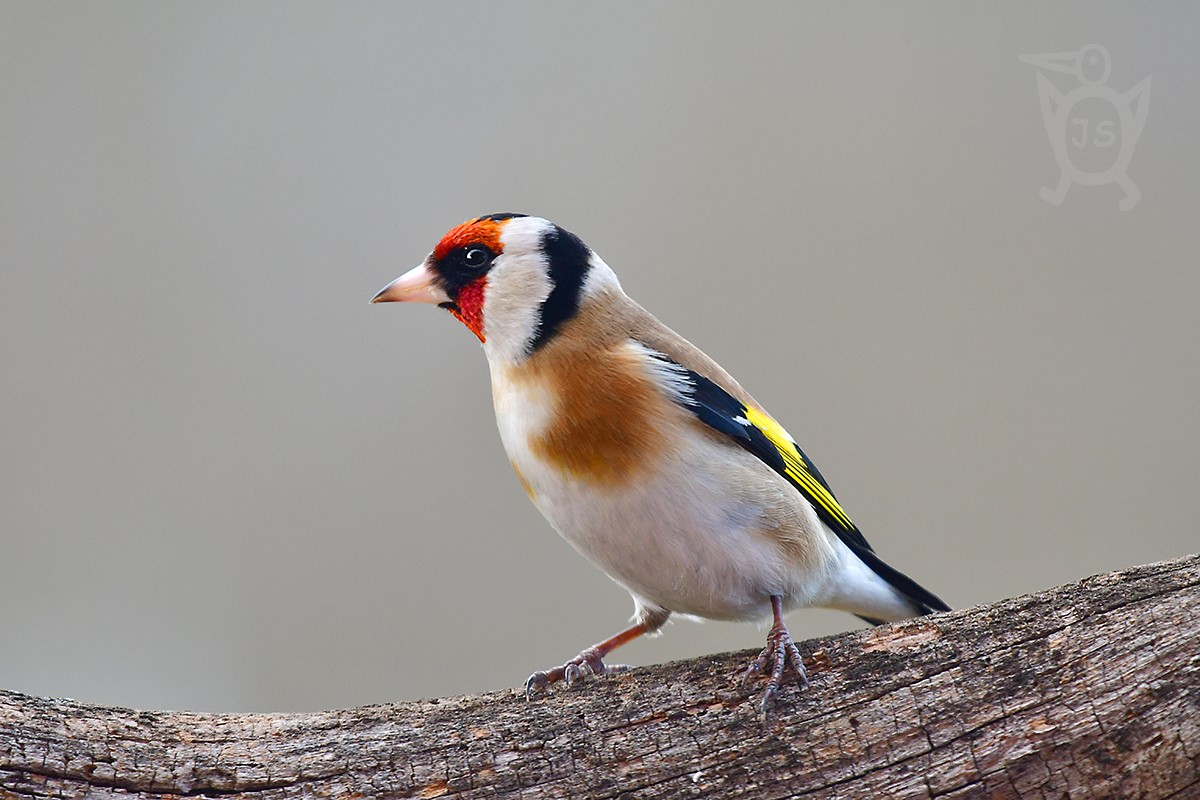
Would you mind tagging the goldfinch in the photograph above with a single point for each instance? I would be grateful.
(644, 454)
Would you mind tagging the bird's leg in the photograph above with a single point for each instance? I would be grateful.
(590, 661)
(779, 654)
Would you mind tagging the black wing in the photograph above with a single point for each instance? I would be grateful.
(758, 432)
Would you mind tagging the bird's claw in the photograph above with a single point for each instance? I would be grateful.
(780, 654)
(589, 662)
(756, 666)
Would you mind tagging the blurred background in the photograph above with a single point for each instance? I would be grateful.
(228, 483)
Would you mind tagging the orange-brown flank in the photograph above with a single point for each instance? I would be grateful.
(608, 421)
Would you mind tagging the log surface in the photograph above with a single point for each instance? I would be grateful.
(1087, 690)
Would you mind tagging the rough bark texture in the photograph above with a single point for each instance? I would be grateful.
(1088, 690)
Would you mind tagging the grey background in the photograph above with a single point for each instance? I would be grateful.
(228, 483)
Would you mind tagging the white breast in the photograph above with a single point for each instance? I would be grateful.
(691, 535)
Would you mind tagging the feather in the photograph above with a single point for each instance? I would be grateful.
(747, 425)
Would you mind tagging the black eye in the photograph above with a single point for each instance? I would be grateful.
(476, 257)
(463, 265)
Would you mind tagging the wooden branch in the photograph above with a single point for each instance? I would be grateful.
(1087, 690)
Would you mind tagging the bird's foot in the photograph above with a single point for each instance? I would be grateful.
(589, 662)
(779, 654)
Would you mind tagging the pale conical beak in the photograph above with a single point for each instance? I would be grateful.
(418, 285)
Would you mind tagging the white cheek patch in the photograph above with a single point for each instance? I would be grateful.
(516, 288)
(518, 284)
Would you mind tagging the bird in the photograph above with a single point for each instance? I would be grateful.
(647, 456)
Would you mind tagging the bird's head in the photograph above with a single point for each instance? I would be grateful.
(512, 279)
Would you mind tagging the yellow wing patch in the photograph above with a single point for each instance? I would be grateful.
(795, 467)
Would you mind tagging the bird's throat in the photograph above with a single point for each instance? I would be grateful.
(468, 306)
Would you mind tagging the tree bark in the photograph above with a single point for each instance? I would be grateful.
(1087, 690)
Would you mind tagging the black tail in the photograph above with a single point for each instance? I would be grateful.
(925, 601)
